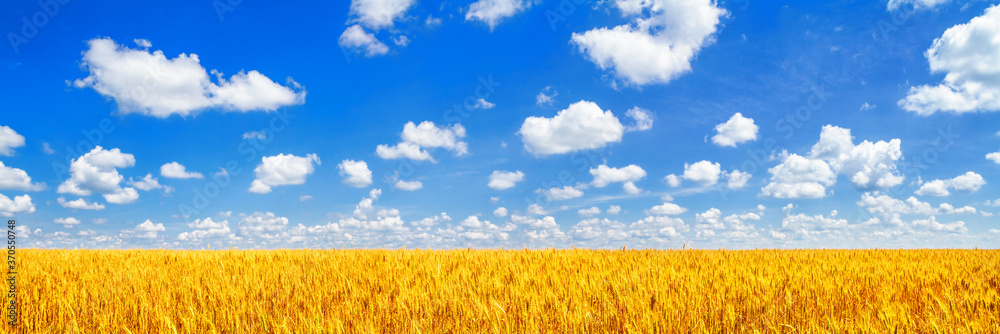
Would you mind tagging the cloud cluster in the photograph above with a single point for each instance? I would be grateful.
(96, 172)
(658, 44)
(282, 170)
(868, 165)
(148, 83)
(416, 139)
(969, 56)
(583, 125)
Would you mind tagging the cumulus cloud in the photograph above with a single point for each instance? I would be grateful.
(207, 229)
(378, 14)
(20, 204)
(148, 83)
(408, 185)
(895, 5)
(80, 204)
(67, 222)
(736, 130)
(969, 56)
(546, 97)
(264, 225)
(868, 165)
(583, 125)
(705, 173)
(995, 157)
(357, 39)
(96, 173)
(643, 119)
(614, 210)
(417, 138)
(968, 182)
(500, 180)
(9, 140)
(282, 170)
(145, 230)
(356, 173)
(604, 175)
(666, 209)
(672, 180)
(657, 45)
(804, 224)
(500, 212)
(589, 212)
(17, 179)
(175, 170)
(562, 193)
(492, 12)
(737, 179)
(891, 208)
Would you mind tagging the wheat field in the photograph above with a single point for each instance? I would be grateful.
(507, 291)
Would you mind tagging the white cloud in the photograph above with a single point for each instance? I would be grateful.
(614, 210)
(704, 172)
(737, 179)
(736, 130)
(604, 175)
(492, 12)
(175, 170)
(150, 84)
(916, 4)
(672, 180)
(259, 135)
(589, 212)
(356, 173)
(408, 185)
(643, 119)
(265, 225)
(282, 170)
(145, 230)
(357, 39)
(658, 45)
(868, 165)
(995, 157)
(969, 55)
(803, 224)
(500, 212)
(207, 229)
(933, 225)
(564, 193)
(67, 222)
(17, 179)
(9, 140)
(483, 104)
(500, 180)
(432, 221)
(546, 97)
(536, 209)
(630, 188)
(968, 182)
(80, 204)
(890, 208)
(304, 198)
(146, 183)
(657, 227)
(581, 126)
(47, 148)
(378, 14)
(96, 172)
(799, 177)
(417, 138)
(666, 209)
(122, 196)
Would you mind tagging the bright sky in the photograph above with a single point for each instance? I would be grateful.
(501, 123)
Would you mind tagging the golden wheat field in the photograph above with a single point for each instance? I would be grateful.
(508, 291)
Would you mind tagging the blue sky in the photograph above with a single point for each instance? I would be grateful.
(491, 123)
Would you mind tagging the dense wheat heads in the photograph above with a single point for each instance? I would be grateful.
(503, 291)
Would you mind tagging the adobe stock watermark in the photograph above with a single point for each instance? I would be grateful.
(250, 148)
(30, 27)
(222, 7)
